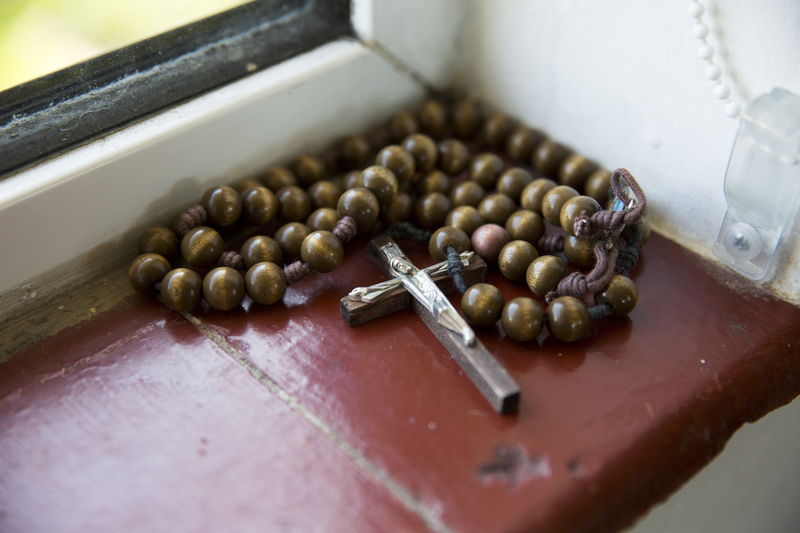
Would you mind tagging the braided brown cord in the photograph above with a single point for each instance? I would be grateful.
(577, 284)
(231, 259)
(191, 218)
(608, 220)
(550, 244)
(456, 269)
(345, 229)
(296, 271)
(406, 230)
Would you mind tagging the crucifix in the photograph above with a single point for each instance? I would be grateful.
(424, 291)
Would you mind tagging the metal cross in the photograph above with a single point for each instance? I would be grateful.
(424, 291)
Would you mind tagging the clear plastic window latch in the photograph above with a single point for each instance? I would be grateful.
(762, 185)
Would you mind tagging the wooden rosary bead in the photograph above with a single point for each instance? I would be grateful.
(453, 156)
(322, 251)
(533, 194)
(181, 289)
(467, 193)
(432, 209)
(568, 319)
(323, 218)
(265, 283)
(544, 273)
(324, 194)
(401, 125)
(547, 157)
(574, 170)
(159, 240)
(401, 208)
(482, 304)
(553, 200)
(398, 160)
(147, 270)
(295, 204)
(223, 205)
(350, 179)
(354, 151)
(444, 237)
(522, 319)
(260, 205)
(223, 288)
(247, 184)
(496, 129)
(488, 240)
(260, 248)
(496, 208)
(424, 151)
(466, 118)
(290, 237)
(598, 185)
(381, 182)
(202, 246)
(360, 204)
(279, 177)
(434, 181)
(309, 169)
(573, 208)
(433, 118)
(466, 218)
(514, 259)
(525, 225)
(579, 250)
(521, 142)
(513, 181)
(621, 295)
(484, 170)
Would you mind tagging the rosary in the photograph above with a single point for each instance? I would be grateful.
(516, 204)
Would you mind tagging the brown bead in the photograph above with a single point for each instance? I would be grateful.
(223, 205)
(496, 129)
(488, 240)
(295, 204)
(290, 236)
(279, 177)
(260, 248)
(424, 151)
(223, 288)
(322, 251)
(466, 218)
(147, 270)
(434, 181)
(350, 179)
(522, 319)
(433, 118)
(381, 181)
(260, 205)
(354, 151)
(513, 181)
(525, 225)
(309, 169)
(598, 186)
(544, 273)
(568, 319)
(181, 289)
(521, 142)
(553, 200)
(247, 184)
(533, 194)
(432, 209)
(400, 210)
(573, 208)
(265, 283)
(496, 208)
(579, 250)
(467, 193)
(574, 170)
(514, 259)
(547, 157)
(398, 160)
(202, 246)
(466, 118)
(482, 304)
(621, 295)
(484, 170)
(453, 156)
(324, 194)
(159, 240)
(323, 218)
(444, 237)
(360, 204)
(401, 125)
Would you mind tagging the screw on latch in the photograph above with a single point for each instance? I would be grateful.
(743, 241)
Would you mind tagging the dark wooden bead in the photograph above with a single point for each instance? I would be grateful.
(467, 193)
(466, 218)
(223, 205)
(309, 169)
(295, 204)
(496, 129)
(147, 270)
(350, 179)
(223, 288)
(322, 251)
(260, 248)
(598, 186)
(181, 289)
(360, 204)
(553, 200)
(400, 210)
(260, 205)
(247, 184)
(482, 304)
(621, 295)
(513, 181)
(324, 218)
(324, 194)
(290, 236)
(453, 156)
(496, 208)
(159, 240)
(279, 177)
(265, 283)
(573, 208)
(433, 118)
(547, 157)
(533, 194)
(398, 160)
(432, 209)
(484, 170)
(424, 151)
(579, 250)
(202, 246)
(522, 319)
(354, 151)
(574, 170)
(444, 237)
(544, 273)
(514, 259)
(466, 114)
(521, 142)
(434, 181)
(568, 319)
(488, 240)
(525, 225)
(401, 125)
(381, 181)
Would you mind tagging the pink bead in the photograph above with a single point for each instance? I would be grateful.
(487, 241)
